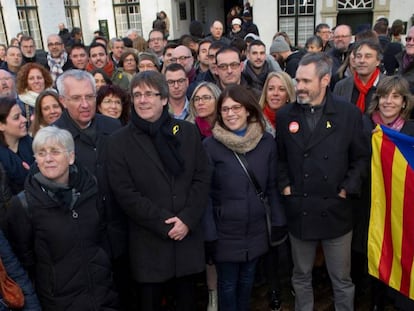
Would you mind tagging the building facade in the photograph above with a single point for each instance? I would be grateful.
(40, 18)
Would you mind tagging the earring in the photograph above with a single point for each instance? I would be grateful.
(403, 106)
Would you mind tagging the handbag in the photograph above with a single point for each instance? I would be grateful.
(259, 192)
(10, 291)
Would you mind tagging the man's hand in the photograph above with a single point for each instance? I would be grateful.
(342, 194)
(180, 229)
(287, 191)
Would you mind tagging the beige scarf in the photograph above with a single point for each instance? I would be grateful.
(239, 144)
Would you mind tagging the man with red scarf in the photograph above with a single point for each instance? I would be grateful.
(359, 88)
(98, 59)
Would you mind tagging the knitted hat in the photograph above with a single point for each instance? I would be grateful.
(279, 45)
(149, 56)
(236, 21)
(251, 36)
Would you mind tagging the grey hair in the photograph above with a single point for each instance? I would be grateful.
(323, 63)
(214, 89)
(53, 134)
(131, 31)
(77, 75)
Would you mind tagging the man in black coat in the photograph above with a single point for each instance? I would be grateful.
(158, 171)
(323, 155)
(90, 131)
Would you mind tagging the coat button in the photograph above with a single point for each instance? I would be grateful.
(324, 214)
(306, 175)
(325, 177)
(305, 213)
(305, 195)
(306, 155)
(325, 157)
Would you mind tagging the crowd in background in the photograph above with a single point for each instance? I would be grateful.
(129, 166)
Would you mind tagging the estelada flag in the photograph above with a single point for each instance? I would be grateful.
(391, 227)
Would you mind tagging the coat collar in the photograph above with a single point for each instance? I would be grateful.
(146, 144)
(325, 127)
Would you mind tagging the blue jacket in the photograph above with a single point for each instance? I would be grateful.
(18, 274)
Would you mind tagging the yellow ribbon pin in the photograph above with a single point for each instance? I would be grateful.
(176, 128)
(328, 125)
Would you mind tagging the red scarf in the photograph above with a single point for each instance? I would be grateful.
(270, 115)
(364, 88)
(109, 68)
(203, 126)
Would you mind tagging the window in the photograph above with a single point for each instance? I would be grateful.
(127, 16)
(29, 20)
(3, 36)
(72, 14)
(297, 19)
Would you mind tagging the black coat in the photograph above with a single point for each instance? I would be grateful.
(318, 165)
(238, 213)
(91, 153)
(149, 195)
(63, 244)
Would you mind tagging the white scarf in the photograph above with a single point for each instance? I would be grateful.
(56, 64)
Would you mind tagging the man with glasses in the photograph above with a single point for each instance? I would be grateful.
(342, 38)
(157, 42)
(90, 131)
(57, 58)
(158, 172)
(229, 68)
(406, 59)
(29, 53)
(177, 85)
(324, 32)
(182, 55)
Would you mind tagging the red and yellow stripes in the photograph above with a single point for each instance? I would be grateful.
(391, 230)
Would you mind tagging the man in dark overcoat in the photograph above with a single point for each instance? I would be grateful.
(158, 171)
(323, 155)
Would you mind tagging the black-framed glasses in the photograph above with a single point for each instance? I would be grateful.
(181, 58)
(179, 82)
(233, 66)
(146, 95)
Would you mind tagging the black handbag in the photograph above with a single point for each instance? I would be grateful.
(259, 192)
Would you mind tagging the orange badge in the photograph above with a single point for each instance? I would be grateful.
(293, 127)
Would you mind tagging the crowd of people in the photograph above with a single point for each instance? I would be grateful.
(129, 167)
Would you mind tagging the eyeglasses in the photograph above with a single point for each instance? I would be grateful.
(341, 37)
(181, 58)
(112, 101)
(155, 39)
(146, 66)
(235, 109)
(203, 98)
(409, 39)
(54, 44)
(51, 152)
(129, 60)
(233, 66)
(78, 98)
(179, 82)
(146, 95)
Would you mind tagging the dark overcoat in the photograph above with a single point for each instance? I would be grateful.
(91, 153)
(149, 195)
(240, 218)
(317, 165)
(64, 245)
